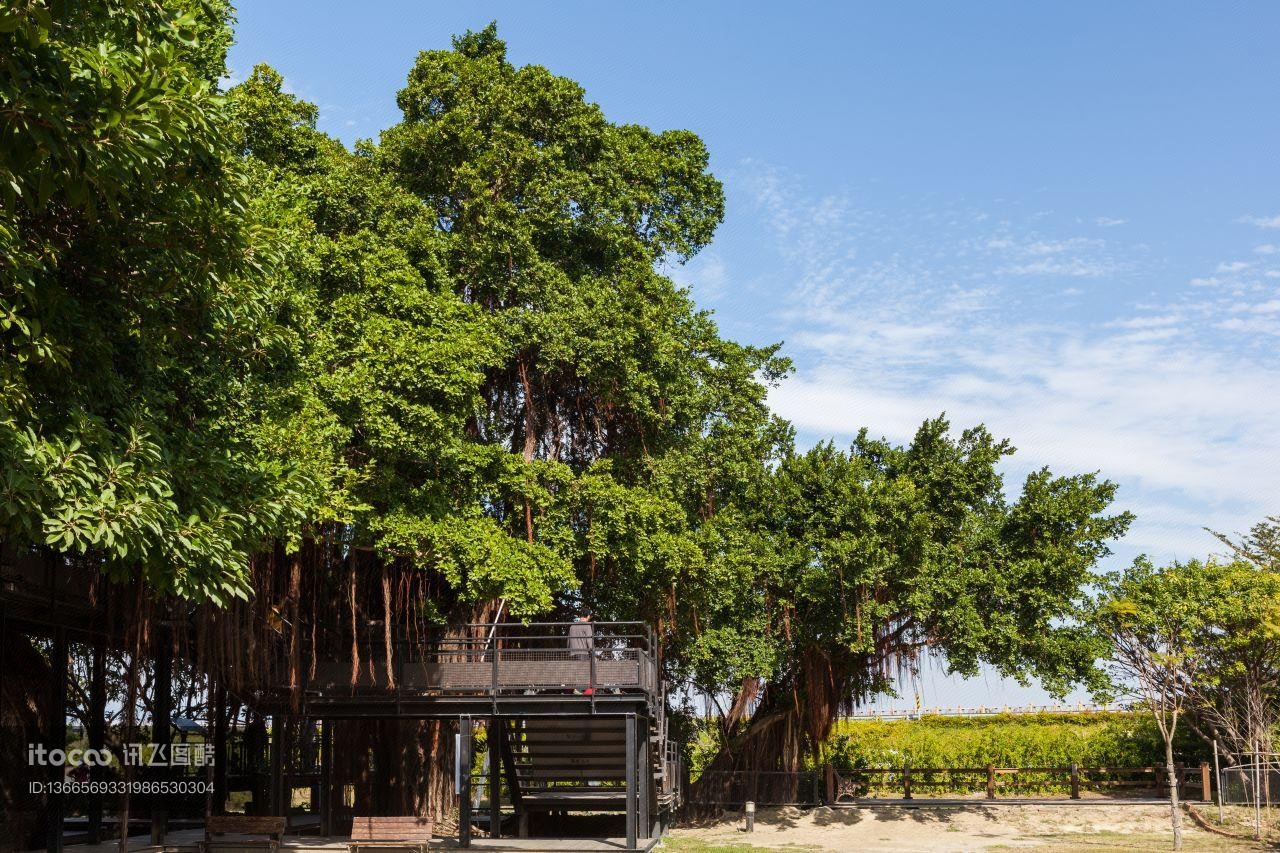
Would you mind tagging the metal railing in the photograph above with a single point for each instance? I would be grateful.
(507, 658)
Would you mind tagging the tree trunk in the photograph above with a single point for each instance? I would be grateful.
(24, 718)
(792, 721)
(1172, 772)
(750, 762)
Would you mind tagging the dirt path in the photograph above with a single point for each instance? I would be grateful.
(944, 830)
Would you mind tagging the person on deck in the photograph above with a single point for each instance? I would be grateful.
(581, 637)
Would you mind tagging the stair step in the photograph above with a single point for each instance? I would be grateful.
(575, 749)
(583, 774)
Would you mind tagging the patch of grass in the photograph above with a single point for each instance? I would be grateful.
(697, 845)
(1094, 842)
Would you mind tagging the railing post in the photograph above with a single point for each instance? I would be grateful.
(591, 666)
(1206, 790)
(906, 782)
(402, 654)
(493, 652)
(991, 782)
(1075, 781)
(831, 785)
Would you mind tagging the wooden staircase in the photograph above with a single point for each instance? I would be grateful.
(558, 765)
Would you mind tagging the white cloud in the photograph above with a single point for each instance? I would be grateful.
(1109, 222)
(1262, 221)
(1073, 267)
(1174, 400)
(1266, 249)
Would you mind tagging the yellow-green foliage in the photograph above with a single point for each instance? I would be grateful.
(1005, 740)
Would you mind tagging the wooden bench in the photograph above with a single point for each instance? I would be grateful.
(412, 833)
(266, 832)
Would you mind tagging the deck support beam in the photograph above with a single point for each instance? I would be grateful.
(221, 720)
(162, 723)
(464, 781)
(495, 777)
(631, 782)
(646, 783)
(275, 785)
(326, 777)
(97, 733)
(57, 737)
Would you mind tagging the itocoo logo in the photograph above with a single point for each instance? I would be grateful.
(42, 756)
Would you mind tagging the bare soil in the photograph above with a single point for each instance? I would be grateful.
(943, 830)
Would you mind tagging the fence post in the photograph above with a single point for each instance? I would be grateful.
(1075, 781)
(831, 785)
(906, 782)
(1206, 790)
(991, 782)
(493, 687)
(1217, 772)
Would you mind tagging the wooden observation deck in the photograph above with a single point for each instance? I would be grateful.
(574, 713)
(512, 669)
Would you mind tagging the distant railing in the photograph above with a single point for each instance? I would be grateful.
(916, 712)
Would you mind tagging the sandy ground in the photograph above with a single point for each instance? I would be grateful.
(925, 830)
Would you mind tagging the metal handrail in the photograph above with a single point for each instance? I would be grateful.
(481, 657)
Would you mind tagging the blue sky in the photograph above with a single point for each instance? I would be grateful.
(1061, 220)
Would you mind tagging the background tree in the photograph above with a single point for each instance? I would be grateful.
(875, 554)
(1235, 700)
(133, 315)
(1240, 705)
(1153, 620)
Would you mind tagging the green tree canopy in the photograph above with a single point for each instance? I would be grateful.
(882, 552)
(501, 388)
(133, 314)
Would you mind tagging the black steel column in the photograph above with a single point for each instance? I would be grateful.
(495, 777)
(326, 777)
(57, 739)
(162, 724)
(275, 792)
(219, 757)
(646, 784)
(464, 781)
(97, 734)
(631, 782)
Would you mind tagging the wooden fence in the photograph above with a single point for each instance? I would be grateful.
(830, 786)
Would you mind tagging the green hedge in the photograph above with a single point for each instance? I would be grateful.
(1007, 740)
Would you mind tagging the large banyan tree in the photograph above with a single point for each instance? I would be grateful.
(304, 398)
(501, 406)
